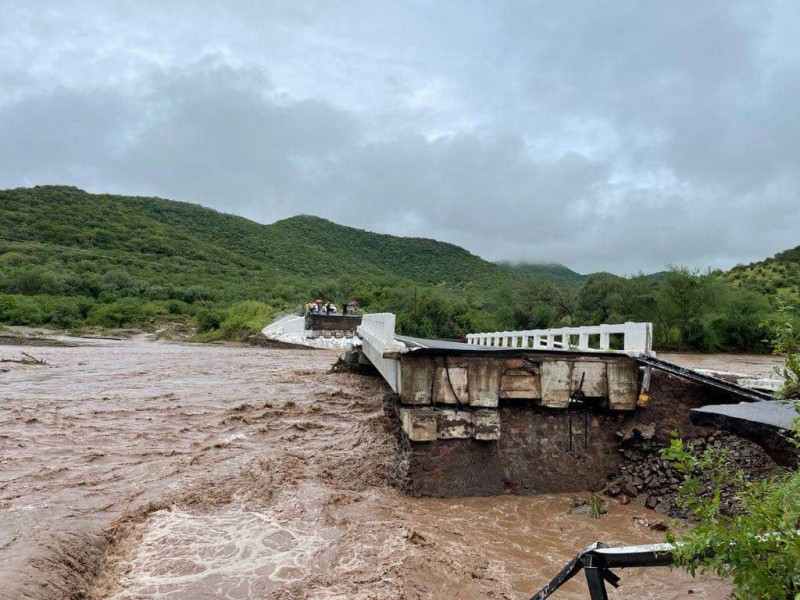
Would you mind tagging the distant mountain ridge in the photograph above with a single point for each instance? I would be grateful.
(555, 272)
(64, 226)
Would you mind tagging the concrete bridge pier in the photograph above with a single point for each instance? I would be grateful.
(473, 423)
(512, 449)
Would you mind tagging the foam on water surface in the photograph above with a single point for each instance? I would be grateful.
(233, 553)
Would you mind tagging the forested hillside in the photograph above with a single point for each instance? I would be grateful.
(777, 277)
(69, 258)
(155, 236)
(72, 259)
(551, 271)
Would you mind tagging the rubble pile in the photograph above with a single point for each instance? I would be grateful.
(648, 480)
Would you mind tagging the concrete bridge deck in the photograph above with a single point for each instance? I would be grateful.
(765, 423)
(446, 347)
(387, 351)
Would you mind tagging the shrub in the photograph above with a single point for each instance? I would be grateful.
(21, 310)
(14, 259)
(756, 546)
(118, 280)
(122, 313)
(243, 318)
(208, 319)
(198, 293)
(32, 281)
(177, 307)
(43, 311)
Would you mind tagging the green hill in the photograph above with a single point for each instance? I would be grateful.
(162, 241)
(66, 256)
(551, 271)
(344, 250)
(776, 277)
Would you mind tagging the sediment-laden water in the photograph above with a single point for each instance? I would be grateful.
(138, 469)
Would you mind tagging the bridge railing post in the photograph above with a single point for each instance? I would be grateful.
(605, 336)
(639, 337)
(583, 341)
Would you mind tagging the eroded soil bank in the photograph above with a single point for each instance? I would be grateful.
(136, 469)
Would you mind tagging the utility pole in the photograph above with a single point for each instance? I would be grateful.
(415, 312)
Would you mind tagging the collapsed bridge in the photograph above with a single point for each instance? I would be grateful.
(529, 412)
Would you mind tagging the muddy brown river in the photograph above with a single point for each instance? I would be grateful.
(135, 469)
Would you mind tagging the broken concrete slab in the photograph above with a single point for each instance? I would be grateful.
(419, 424)
(590, 378)
(623, 385)
(521, 379)
(556, 379)
(484, 381)
(487, 425)
(450, 381)
(416, 376)
(764, 423)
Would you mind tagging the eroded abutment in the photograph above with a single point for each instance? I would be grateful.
(528, 424)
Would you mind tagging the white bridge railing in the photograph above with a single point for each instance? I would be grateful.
(377, 334)
(633, 338)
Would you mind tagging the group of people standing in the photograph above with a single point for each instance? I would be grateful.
(321, 307)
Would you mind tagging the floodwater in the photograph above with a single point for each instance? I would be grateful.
(747, 365)
(135, 469)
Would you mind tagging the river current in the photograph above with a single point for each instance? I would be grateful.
(135, 469)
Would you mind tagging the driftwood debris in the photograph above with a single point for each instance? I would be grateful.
(26, 359)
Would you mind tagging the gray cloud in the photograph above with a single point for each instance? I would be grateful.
(617, 136)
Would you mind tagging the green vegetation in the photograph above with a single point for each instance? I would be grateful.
(786, 343)
(70, 259)
(755, 543)
(554, 272)
(777, 277)
(757, 546)
(234, 322)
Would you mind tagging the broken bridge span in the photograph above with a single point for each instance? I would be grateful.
(532, 411)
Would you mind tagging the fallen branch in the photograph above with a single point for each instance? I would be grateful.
(33, 359)
(26, 359)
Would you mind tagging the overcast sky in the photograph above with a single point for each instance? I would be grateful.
(617, 136)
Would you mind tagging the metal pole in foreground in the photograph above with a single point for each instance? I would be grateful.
(597, 587)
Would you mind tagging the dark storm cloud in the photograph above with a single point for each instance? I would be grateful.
(219, 135)
(615, 135)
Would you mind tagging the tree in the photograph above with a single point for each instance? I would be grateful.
(539, 304)
(33, 280)
(432, 312)
(740, 321)
(685, 300)
(638, 299)
(786, 343)
(598, 297)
